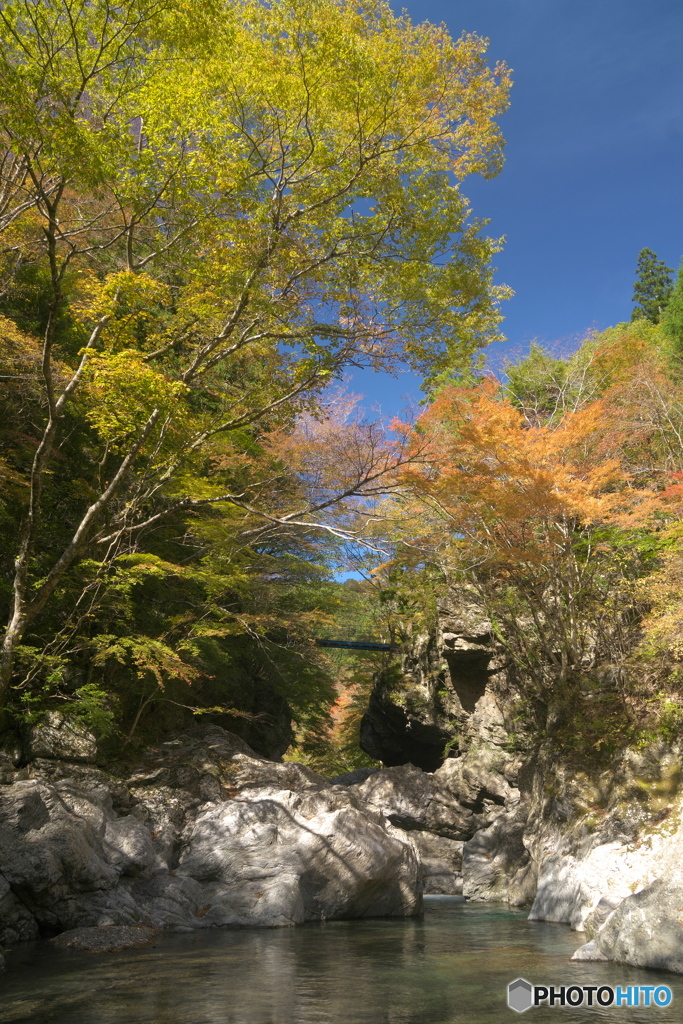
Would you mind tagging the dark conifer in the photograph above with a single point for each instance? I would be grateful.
(653, 286)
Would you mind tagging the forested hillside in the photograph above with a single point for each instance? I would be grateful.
(208, 211)
(554, 495)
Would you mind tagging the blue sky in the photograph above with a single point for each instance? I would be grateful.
(594, 161)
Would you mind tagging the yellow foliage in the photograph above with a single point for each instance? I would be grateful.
(131, 302)
(663, 626)
(123, 391)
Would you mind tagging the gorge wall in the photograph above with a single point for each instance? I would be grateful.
(594, 844)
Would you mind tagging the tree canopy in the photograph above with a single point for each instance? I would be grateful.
(555, 498)
(672, 319)
(208, 211)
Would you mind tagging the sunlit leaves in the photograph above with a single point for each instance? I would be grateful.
(540, 515)
(133, 305)
(124, 391)
(211, 209)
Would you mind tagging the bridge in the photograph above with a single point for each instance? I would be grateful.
(350, 639)
(356, 645)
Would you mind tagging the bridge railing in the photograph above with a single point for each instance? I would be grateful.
(353, 640)
(355, 645)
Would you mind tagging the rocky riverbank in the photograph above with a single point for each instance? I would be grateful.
(202, 831)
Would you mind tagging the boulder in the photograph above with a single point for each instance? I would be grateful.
(107, 939)
(282, 856)
(61, 737)
(48, 849)
(588, 951)
(441, 863)
(470, 799)
(480, 779)
(171, 900)
(128, 845)
(646, 929)
(203, 832)
(466, 794)
(405, 794)
(495, 861)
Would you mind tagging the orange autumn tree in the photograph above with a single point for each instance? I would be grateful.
(544, 519)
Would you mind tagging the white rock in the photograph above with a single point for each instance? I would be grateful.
(646, 929)
(588, 951)
(128, 845)
(274, 844)
(60, 737)
(283, 857)
(573, 881)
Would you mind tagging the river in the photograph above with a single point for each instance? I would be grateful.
(452, 965)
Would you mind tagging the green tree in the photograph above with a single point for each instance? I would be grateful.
(539, 384)
(672, 321)
(217, 207)
(652, 289)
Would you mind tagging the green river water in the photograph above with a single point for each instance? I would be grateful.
(452, 965)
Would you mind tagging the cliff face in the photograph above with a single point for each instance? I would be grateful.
(598, 848)
(449, 690)
(606, 849)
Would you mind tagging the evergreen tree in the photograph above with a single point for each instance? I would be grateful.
(672, 320)
(652, 289)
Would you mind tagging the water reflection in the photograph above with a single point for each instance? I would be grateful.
(451, 966)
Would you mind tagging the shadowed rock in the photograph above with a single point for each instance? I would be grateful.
(107, 939)
(60, 737)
